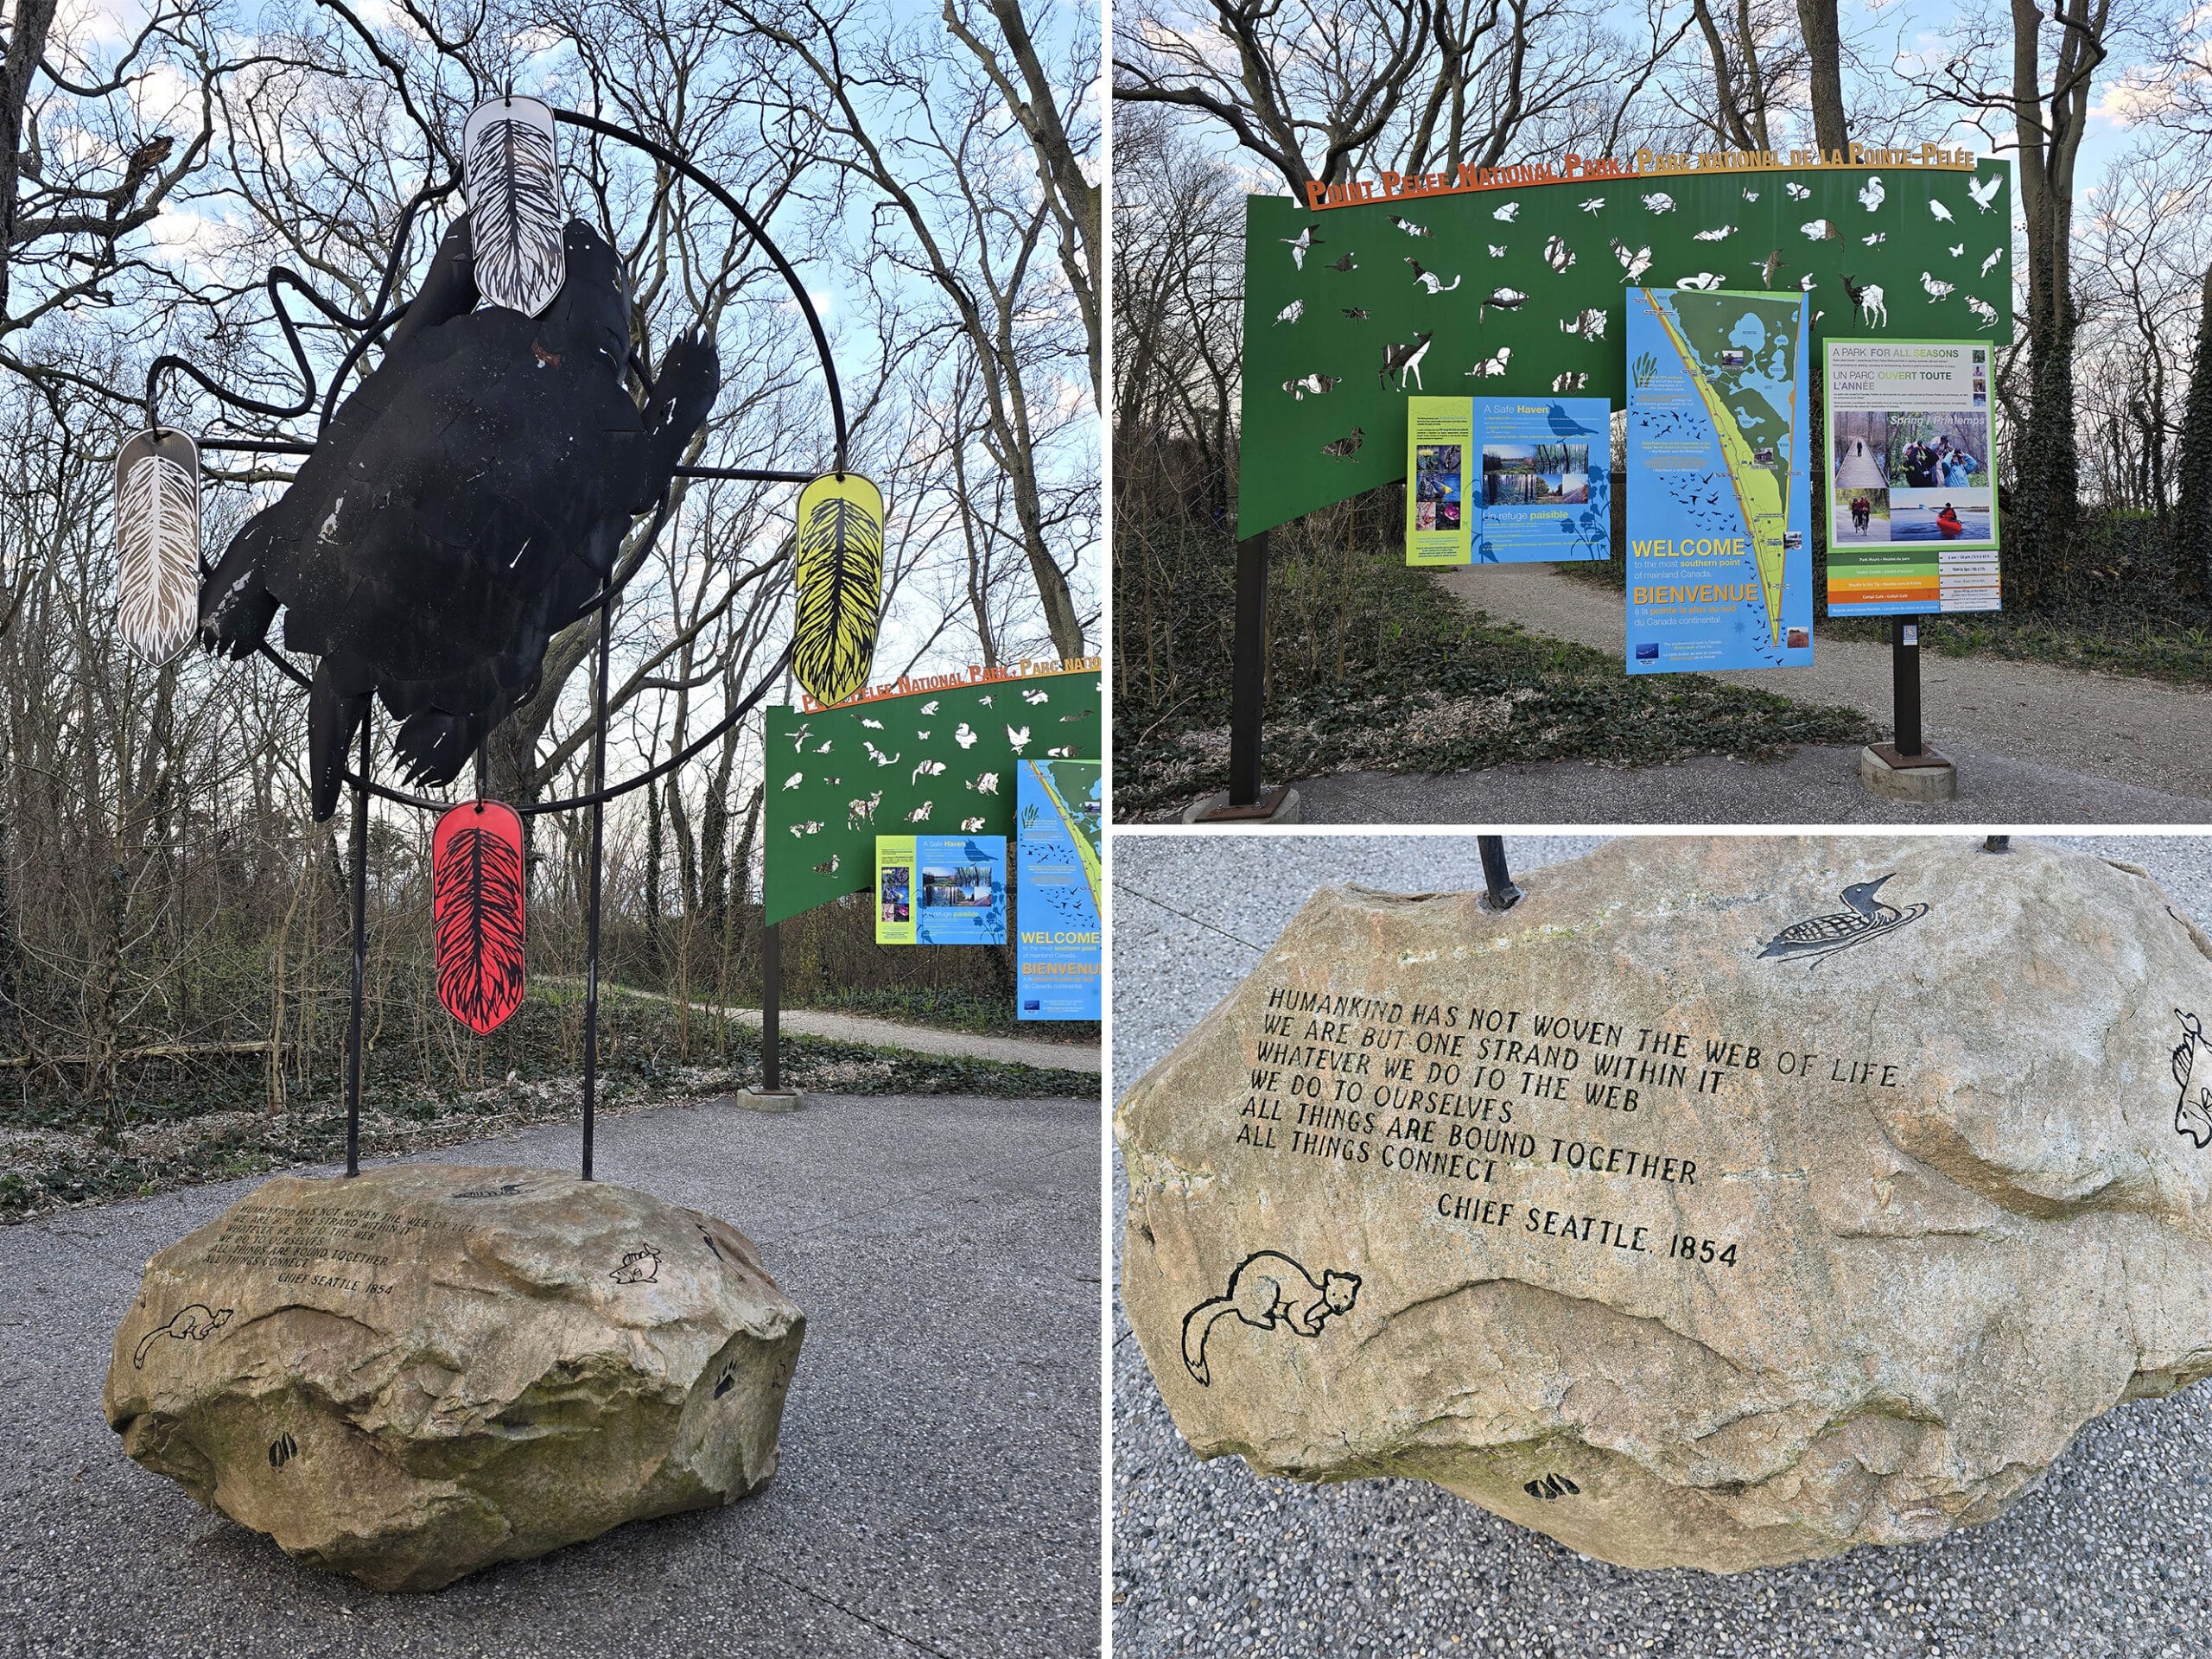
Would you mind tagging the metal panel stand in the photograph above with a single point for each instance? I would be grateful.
(770, 1095)
(1907, 769)
(1248, 692)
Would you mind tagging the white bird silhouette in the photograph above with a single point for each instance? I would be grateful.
(1984, 191)
(872, 725)
(1297, 244)
(824, 749)
(1870, 198)
(1990, 264)
(964, 736)
(798, 737)
(1292, 312)
(1017, 738)
(1633, 264)
(1751, 196)
(1939, 210)
(1720, 233)
(1805, 283)
(1506, 214)
(1409, 227)
(1937, 289)
(794, 780)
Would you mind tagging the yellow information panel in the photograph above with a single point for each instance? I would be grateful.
(1439, 436)
(894, 889)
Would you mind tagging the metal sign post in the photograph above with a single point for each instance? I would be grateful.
(1497, 881)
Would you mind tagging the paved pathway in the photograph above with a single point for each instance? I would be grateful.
(938, 1492)
(2142, 732)
(916, 1039)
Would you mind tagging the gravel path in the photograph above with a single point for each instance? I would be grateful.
(2131, 731)
(938, 1492)
(2112, 1556)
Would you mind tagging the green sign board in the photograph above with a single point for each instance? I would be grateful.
(935, 761)
(1519, 291)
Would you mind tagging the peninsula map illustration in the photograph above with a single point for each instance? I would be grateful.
(1719, 565)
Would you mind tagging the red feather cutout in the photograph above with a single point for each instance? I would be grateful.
(476, 907)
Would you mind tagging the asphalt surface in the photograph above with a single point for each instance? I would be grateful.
(938, 1489)
(2111, 1556)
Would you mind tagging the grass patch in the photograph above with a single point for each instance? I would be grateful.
(1373, 666)
(216, 1125)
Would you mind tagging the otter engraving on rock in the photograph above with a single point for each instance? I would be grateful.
(1269, 1292)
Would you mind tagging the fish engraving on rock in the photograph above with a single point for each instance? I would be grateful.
(1269, 1291)
(1820, 936)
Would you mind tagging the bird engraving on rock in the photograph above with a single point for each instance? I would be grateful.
(1869, 918)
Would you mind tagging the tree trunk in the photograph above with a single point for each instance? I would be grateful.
(1824, 73)
(26, 44)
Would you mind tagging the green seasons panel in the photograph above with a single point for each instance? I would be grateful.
(939, 763)
(1529, 285)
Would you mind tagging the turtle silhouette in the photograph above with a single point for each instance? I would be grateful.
(463, 505)
(1869, 917)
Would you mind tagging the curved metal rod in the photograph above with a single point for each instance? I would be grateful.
(744, 707)
(277, 274)
(670, 158)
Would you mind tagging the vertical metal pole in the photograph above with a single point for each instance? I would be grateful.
(360, 855)
(1248, 683)
(1496, 879)
(591, 914)
(1904, 663)
(772, 1001)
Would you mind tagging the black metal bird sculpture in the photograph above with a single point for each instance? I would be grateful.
(463, 505)
(1868, 917)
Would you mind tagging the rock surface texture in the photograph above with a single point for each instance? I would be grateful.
(414, 1373)
(1727, 1202)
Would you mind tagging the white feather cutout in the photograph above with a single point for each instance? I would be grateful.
(157, 544)
(513, 174)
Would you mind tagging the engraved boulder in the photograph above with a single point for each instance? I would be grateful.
(414, 1373)
(1726, 1202)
